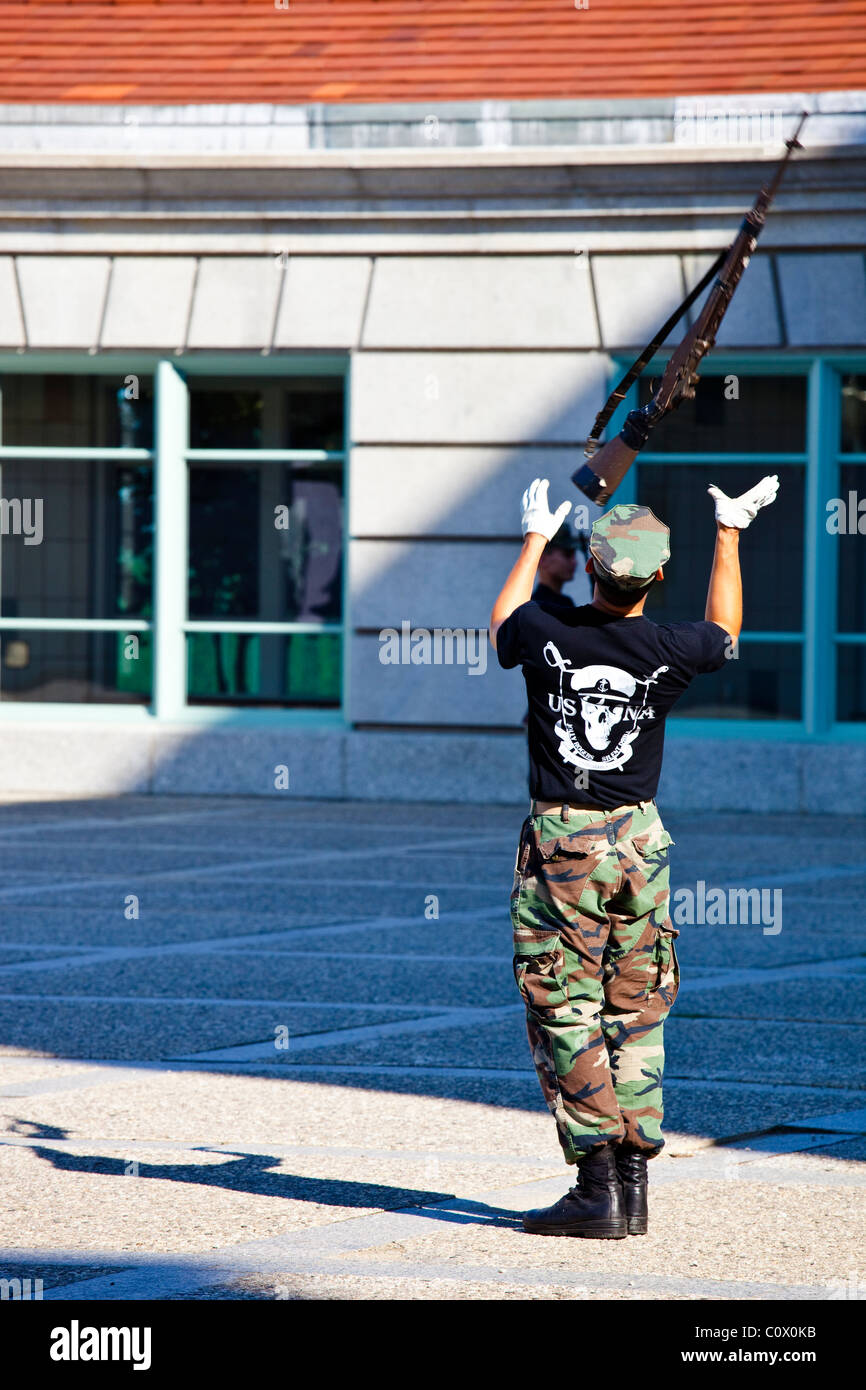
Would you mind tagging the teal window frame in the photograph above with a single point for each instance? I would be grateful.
(170, 457)
(822, 460)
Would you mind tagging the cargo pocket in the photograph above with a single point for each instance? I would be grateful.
(665, 978)
(563, 865)
(562, 849)
(649, 846)
(539, 970)
(521, 870)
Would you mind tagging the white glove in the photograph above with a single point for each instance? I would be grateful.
(537, 515)
(740, 511)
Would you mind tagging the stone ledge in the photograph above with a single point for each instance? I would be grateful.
(369, 765)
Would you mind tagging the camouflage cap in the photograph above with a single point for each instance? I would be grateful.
(628, 545)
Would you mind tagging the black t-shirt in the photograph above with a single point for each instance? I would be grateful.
(600, 688)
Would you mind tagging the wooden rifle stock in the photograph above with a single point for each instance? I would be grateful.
(601, 476)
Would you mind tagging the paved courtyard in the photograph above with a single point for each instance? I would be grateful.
(263, 1049)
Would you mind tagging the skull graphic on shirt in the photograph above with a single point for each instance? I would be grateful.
(604, 693)
(610, 717)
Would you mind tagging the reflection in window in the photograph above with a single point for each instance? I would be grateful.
(851, 602)
(85, 411)
(853, 431)
(768, 415)
(269, 413)
(95, 559)
(131, 540)
(313, 545)
(243, 565)
(851, 683)
(264, 669)
(224, 542)
(762, 682)
(75, 667)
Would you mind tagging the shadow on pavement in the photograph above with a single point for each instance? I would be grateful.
(249, 1173)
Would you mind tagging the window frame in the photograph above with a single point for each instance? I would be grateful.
(822, 460)
(170, 458)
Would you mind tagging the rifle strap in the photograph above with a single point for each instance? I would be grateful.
(619, 392)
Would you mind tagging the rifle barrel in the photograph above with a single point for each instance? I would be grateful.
(792, 145)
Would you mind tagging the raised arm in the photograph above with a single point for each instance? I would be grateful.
(517, 588)
(725, 594)
(733, 515)
(539, 525)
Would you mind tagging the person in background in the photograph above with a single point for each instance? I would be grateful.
(557, 568)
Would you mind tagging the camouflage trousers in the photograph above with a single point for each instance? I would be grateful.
(595, 962)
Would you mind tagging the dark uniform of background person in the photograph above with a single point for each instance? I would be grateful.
(557, 567)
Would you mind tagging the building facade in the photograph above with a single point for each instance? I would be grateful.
(274, 378)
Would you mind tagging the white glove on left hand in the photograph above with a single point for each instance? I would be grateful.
(740, 511)
(537, 515)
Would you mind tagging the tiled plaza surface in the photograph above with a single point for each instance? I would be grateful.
(242, 1057)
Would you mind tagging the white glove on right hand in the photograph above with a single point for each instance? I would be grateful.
(740, 511)
(537, 515)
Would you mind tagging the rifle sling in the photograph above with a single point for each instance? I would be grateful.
(649, 351)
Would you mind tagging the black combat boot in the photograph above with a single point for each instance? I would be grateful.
(594, 1207)
(631, 1167)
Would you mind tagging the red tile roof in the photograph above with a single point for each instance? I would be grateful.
(152, 51)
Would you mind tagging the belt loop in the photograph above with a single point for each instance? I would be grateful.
(565, 811)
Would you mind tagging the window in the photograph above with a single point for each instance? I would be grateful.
(265, 541)
(733, 413)
(253, 616)
(76, 549)
(848, 530)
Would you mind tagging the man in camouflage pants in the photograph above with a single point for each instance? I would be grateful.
(594, 954)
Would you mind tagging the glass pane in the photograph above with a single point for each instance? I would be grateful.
(76, 667)
(230, 668)
(771, 558)
(314, 413)
(762, 682)
(267, 413)
(77, 410)
(130, 541)
(851, 684)
(245, 563)
(79, 541)
(313, 546)
(767, 416)
(853, 439)
(223, 542)
(851, 602)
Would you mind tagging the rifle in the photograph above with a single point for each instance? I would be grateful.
(603, 472)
